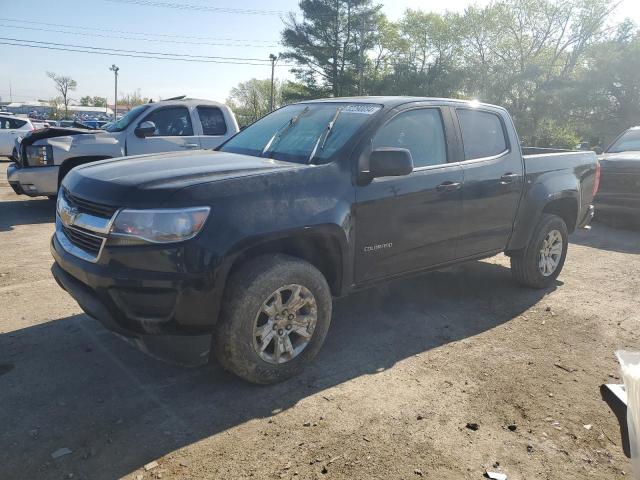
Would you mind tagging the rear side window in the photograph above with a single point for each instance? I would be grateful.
(420, 131)
(15, 123)
(171, 122)
(8, 123)
(212, 120)
(482, 134)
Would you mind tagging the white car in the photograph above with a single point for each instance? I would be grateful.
(44, 157)
(12, 127)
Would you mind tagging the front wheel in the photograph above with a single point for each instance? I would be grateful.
(540, 263)
(275, 316)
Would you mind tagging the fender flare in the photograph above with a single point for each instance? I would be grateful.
(539, 196)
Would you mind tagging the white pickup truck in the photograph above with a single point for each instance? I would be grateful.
(42, 158)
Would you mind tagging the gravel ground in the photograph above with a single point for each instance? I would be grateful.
(405, 368)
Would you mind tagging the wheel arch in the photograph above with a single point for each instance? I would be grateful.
(564, 203)
(72, 162)
(322, 247)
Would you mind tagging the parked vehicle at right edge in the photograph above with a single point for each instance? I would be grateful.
(619, 192)
(44, 157)
(239, 251)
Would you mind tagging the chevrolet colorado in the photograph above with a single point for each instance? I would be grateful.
(240, 250)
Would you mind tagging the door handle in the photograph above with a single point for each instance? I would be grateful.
(190, 145)
(448, 186)
(508, 178)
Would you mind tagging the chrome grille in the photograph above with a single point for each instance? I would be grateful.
(84, 240)
(92, 208)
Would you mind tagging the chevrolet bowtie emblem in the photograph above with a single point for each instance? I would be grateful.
(68, 214)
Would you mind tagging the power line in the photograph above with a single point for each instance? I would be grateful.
(119, 54)
(137, 52)
(134, 38)
(129, 32)
(201, 8)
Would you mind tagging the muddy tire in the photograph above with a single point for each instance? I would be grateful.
(275, 316)
(540, 263)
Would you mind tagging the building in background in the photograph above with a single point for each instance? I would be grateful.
(43, 110)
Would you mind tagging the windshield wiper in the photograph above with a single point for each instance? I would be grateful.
(283, 129)
(322, 139)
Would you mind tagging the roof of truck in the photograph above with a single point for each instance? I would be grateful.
(393, 101)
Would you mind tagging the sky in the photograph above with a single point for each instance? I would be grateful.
(250, 30)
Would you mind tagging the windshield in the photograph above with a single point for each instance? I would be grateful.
(126, 119)
(629, 141)
(291, 133)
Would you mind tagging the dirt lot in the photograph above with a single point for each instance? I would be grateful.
(404, 369)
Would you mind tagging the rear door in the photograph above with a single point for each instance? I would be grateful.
(411, 222)
(174, 132)
(493, 181)
(213, 125)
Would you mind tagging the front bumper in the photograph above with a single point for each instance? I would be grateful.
(163, 314)
(33, 181)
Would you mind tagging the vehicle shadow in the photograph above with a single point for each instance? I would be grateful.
(26, 212)
(71, 384)
(604, 237)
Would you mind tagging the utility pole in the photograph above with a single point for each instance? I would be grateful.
(273, 59)
(115, 70)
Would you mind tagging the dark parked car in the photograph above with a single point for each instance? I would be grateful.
(619, 192)
(241, 249)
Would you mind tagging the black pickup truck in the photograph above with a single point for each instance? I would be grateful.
(239, 251)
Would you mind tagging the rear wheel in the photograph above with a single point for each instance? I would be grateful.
(275, 317)
(540, 263)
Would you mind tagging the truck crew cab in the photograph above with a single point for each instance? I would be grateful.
(243, 248)
(44, 157)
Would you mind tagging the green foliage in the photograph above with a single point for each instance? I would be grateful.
(330, 43)
(132, 99)
(99, 102)
(556, 65)
(250, 100)
(549, 134)
(86, 101)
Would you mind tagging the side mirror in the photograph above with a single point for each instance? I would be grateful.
(145, 129)
(598, 150)
(390, 162)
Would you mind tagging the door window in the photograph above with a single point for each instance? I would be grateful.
(212, 120)
(482, 134)
(10, 123)
(420, 131)
(171, 122)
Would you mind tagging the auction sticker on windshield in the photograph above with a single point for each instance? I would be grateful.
(364, 108)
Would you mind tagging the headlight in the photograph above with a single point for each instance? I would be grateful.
(39, 155)
(157, 226)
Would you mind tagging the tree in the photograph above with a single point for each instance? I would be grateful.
(329, 44)
(250, 100)
(524, 54)
(99, 102)
(132, 99)
(54, 109)
(64, 85)
(606, 96)
(86, 101)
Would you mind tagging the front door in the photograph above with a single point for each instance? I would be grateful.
(411, 222)
(174, 132)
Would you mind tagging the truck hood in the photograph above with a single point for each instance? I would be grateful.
(54, 132)
(147, 180)
(623, 162)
